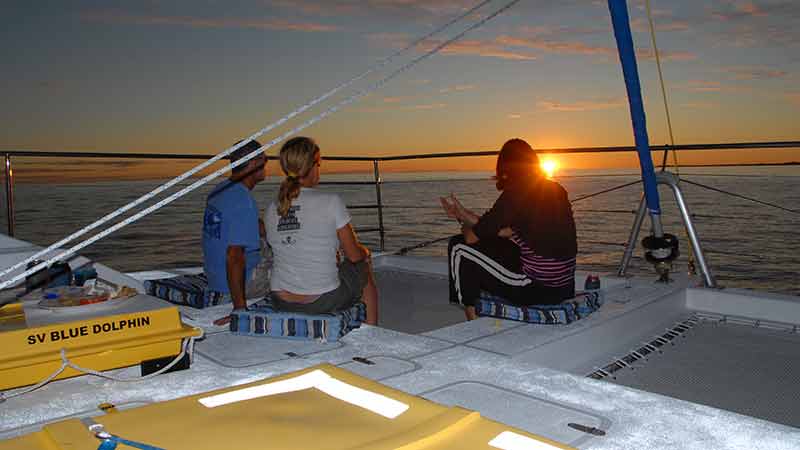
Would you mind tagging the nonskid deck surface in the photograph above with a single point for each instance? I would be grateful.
(508, 371)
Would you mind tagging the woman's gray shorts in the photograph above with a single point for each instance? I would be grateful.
(352, 279)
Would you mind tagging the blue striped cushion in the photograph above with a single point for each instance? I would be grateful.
(189, 290)
(565, 312)
(262, 320)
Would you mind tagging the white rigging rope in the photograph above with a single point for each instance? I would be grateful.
(226, 152)
(358, 95)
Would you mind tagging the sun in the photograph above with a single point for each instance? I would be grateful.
(549, 167)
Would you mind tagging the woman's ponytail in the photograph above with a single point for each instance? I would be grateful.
(289, 190)
(297, 160)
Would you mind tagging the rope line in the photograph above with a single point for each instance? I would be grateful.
(409, 248)
(605, 191)
(358, 95)
(661, 81)
(187, 347)
(733, 194)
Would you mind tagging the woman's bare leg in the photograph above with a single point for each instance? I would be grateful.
(370, 297)
(469, 311)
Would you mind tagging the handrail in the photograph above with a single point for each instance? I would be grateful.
(376, 160)
(765, 145)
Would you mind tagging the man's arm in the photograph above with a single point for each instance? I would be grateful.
(235, 268)
(353, 250)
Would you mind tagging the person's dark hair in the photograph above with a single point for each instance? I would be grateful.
(517, 163)
(241, 152)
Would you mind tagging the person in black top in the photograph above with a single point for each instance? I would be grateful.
(523, 249)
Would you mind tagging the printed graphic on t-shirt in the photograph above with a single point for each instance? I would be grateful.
(212, 223)
(290, 222)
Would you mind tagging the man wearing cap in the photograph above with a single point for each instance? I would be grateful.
(232, 232)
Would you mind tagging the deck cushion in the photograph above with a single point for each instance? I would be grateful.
(565, 312)
(262, 320)
(189, 290)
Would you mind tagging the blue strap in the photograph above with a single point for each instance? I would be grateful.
(111, 442)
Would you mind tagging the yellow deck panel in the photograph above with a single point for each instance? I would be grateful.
(101, 343)
(303, 419)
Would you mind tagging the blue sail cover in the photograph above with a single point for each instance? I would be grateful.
(627, 56)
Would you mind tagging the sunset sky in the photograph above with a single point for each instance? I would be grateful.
(195, 76)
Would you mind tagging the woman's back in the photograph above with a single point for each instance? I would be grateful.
(304, 242)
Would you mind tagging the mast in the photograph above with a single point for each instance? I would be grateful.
(627, 57)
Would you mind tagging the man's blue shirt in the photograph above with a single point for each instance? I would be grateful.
(231, 219)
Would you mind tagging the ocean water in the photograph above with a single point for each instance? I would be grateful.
(748, 244)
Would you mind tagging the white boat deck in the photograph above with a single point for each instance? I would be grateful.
(530, 376)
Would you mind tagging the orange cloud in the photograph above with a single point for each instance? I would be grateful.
(115, 17)
(794, 98)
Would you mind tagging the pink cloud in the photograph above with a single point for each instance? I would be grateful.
(480, 48)
(749, 73)
(392, 99)
(406, 8)
(487, 49)
(700, 105)
(554, 46)
(457, 88)
(114, 17)
(641, 25)
(427, 106)
(704, 86)
(647, 53)
(750, 9)
(738, 10)
(581, 106)
(580, 48)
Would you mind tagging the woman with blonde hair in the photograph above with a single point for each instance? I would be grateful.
(306, 227)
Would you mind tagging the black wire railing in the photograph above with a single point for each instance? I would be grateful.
(377, 180)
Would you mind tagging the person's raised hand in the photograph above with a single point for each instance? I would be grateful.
(461, 212)
(448, 207)
(506, 232)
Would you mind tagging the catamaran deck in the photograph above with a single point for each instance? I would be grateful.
(530, 376)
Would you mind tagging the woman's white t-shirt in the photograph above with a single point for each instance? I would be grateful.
(304, 243)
